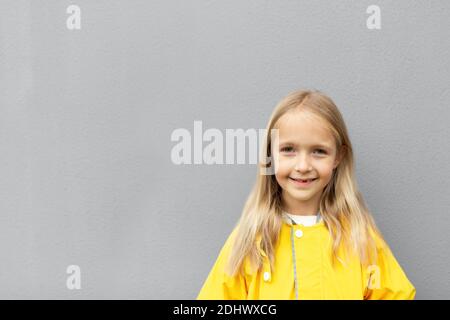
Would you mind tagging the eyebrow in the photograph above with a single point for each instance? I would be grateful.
(288, 143)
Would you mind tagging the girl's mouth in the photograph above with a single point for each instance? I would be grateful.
(303, 183)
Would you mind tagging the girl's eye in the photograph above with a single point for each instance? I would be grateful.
(287, 149)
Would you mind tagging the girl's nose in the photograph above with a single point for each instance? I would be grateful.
(303, 163)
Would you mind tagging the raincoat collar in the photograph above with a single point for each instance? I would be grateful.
(291, 222)
(288, 221)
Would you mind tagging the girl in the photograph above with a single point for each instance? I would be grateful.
(305, 231)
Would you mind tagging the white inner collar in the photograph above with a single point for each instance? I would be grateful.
(303, 220)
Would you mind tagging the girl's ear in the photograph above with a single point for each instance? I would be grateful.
(339, 156)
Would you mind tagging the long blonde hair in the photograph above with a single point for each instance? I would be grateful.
(342, 207)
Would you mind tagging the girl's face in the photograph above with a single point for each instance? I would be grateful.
(306, 150)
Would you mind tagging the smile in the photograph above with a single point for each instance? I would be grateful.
(302, 183)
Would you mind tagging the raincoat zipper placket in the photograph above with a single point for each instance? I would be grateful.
(293, 253)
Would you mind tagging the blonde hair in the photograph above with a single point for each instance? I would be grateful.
(342, 207)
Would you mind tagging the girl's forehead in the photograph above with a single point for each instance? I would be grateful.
(303, 127)
(295, 116)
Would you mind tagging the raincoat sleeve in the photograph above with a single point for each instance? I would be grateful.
(219, 285)
(386, 279)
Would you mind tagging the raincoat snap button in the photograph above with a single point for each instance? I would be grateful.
(266, 276)
(298, 233)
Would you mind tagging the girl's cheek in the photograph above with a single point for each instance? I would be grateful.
(284, 168)
(283, 171)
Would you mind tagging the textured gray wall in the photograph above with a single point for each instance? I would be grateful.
(87, 115)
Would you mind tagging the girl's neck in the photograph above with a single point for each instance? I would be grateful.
(302, 214)
(300, 208)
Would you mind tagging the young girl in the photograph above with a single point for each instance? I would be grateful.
(305, 231)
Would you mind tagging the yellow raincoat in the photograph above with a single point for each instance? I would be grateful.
(316, 278)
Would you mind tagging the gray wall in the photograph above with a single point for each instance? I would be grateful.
(86, 176)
